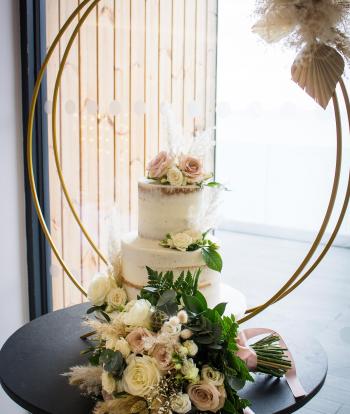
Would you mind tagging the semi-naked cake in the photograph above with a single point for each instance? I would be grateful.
(166, 209)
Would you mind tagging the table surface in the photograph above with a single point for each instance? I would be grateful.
(33, 358)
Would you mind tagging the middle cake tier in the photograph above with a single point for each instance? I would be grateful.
(137, 253)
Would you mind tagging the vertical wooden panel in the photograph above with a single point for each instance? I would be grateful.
(189, 65)
(201, 65)
(137, 99)
(52, 27)
(165, 59)
(210, 101)
(70, 156)
(122, 96)
(106, 124)
(151, 71)
(130, 58)
(177, 70)
(89, 144)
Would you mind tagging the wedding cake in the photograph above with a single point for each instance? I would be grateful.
(173, 210)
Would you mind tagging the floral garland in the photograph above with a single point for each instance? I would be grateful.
(190, 241)
(167, 351)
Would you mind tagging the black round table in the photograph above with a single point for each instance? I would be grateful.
(33, 358)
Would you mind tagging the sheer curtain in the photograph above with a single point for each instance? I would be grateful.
(275, 145)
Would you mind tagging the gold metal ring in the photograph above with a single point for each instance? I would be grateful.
(31, 116)
(287, 288)
(54, 132)
(258, 309)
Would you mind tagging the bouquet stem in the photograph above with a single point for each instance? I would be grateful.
(272, 359)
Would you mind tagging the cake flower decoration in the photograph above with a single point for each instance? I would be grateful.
(181, 170)
(190, 241)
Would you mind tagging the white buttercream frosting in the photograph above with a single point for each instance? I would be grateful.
(170, 209)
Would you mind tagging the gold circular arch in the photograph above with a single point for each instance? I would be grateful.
(287, 288)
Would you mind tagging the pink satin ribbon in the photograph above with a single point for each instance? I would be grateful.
(247, 354)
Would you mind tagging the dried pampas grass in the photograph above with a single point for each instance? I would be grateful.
(122, 405)
(305, 22)
(114, 329)
(320, 28)
(87, 378)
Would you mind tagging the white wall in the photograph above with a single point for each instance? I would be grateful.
(13, 273)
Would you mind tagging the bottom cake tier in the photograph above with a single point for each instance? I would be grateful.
(137, 253)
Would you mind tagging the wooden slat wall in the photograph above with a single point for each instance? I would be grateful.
(130, 57)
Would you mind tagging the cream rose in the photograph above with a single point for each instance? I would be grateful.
(158, 167)
(136, 339)
(222, 397)
(192, 169)
(192, 348)
(175, 176)
(139, 314)
(189, 370)
(109, 384)
(195, 235)
(181, 241)
(212, 376)
(141, 375)
(205, 397)
(163, 356)
(99, 288)
(116, 297)
(120, 345)
(181, 403)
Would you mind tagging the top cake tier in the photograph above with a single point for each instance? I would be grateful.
(168, 209)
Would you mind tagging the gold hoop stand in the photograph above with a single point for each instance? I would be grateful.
(294, 281)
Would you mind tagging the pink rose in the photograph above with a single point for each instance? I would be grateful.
(136, 339)
(192, 169)
(163, 356)
(158, 167)
(205, 397)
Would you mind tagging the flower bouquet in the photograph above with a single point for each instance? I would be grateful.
(167, 351)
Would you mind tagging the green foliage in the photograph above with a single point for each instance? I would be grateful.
(212, 258)
(159, 283)
(112, 362)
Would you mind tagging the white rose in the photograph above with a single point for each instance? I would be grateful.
(116, 297)
(181, 241)
(189, 370)
(212, 376)
(191, 347)
(141, 375)
(109, 384)
(195, 235)
(171, 329)
(120, 345)
(139, 314)
(181, 403)
(99, 288)
(175, 176)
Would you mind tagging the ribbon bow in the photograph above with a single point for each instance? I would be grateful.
(247, 354)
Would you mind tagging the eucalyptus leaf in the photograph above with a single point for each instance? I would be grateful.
(166, 297)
